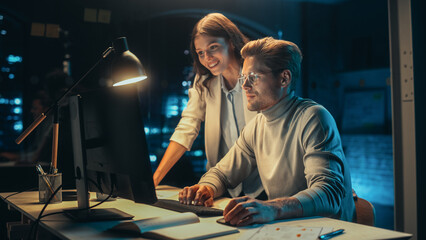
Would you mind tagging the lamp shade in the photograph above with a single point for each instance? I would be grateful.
(126, 67)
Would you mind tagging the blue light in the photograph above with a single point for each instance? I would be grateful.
(5, 69)
(17, 110)
(14, 59)
(164, 144)
(3, 101)
(146, 130)
(155, 130)
(152, 158)
(166, 130)
(1, 17)
(11, 76)
(184, 83)
(173, 107)
(198, 153)
(18, 126)
(280, 34)
(3, 32)
(18, 101)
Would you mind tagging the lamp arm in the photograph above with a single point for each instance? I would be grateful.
(43, 116)
(31, 128)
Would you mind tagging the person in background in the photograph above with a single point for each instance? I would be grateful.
(293, 143)
(216, 98)
(39, 141)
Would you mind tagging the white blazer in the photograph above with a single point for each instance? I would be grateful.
(206, 106)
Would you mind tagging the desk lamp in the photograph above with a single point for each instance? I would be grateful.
(126, 69)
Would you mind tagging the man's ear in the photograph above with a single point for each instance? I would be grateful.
(285, 78)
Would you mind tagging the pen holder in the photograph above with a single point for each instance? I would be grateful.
(47, 184)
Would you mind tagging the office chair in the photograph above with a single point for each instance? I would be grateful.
(365, 213)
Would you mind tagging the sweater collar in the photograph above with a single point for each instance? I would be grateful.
(280, 108)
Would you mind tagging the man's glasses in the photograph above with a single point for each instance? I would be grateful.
(251, 78)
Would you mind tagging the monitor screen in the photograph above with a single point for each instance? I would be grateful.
(109, 145)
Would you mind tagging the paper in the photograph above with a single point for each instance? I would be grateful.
(270, 232)
(178, 226)
(167, 195)
(193, 231)
(146, 225)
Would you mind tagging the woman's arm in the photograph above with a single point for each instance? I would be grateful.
(173, 153)
(185, 133)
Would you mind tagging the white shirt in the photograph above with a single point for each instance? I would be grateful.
(232, 116)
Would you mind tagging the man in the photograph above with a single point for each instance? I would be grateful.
(293, 143)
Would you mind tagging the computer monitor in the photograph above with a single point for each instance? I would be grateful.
(109, 147)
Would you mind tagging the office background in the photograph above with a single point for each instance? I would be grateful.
(346, 68)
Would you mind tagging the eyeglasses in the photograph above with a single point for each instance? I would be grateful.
(251, 78)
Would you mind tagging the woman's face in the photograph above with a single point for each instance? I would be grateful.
(214, 53)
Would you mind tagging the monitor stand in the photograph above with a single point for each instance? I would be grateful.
(83, 213)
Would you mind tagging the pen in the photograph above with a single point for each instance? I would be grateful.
(331, 234)
(46, 180)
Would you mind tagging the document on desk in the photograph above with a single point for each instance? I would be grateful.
(146, 225)
(271, 232)
(181, 226)
(195, 231)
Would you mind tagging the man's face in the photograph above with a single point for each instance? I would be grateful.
(265, 91)
(214, 53)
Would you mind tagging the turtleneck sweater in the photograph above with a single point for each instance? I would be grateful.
(296, 147)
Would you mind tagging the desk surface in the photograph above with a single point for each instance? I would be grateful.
(61, 226)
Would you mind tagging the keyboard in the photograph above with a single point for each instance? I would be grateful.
(201, 211)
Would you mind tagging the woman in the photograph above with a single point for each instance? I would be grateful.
(216, 98)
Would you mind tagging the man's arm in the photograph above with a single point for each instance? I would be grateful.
(324, 165)
(324, 168)
(237, 164)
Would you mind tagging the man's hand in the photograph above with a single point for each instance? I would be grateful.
(245, 210)
(201, 195)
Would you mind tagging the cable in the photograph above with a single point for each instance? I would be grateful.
(35, 224)
(87, 208)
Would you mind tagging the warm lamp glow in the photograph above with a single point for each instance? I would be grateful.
(126, 67)
(130, 81)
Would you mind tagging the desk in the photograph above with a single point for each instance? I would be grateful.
(61, 226)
